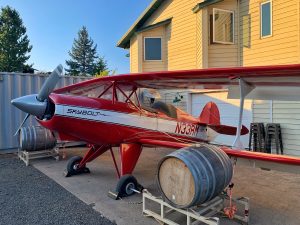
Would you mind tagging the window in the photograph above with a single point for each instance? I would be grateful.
(266, 19)
(152, 48)
(223, 26)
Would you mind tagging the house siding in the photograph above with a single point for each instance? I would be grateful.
(288, 115)
(283, 46)
(285, 113)
(199, 40)
(261, 111)
(179, 46)
(224, 55)
(148, 66)
(180, 43)
(134, 62)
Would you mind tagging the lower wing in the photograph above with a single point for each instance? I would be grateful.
(254, 159)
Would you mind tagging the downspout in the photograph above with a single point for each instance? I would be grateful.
(271, 111)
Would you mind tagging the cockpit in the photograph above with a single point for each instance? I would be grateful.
(140, 98)
(150, 101)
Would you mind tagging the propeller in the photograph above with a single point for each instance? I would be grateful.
(36, 104)
(50, 84)
(26, 117)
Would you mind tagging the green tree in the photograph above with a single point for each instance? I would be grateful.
(14, 42)
(100, 65)
(105, 73)
(83, 55)
(28, 68)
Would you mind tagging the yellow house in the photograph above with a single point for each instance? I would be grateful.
(189, 34)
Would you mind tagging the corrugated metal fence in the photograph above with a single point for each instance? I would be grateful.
(13, 85)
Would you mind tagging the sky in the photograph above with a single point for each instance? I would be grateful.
(52, 26)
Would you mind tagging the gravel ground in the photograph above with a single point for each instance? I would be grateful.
(27, 196)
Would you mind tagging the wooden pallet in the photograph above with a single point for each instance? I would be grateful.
(27, 156)
(206, 213)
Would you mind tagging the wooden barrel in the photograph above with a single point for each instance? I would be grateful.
(194, 175)
(36, 138)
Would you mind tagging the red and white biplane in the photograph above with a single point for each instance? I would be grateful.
(111, 112)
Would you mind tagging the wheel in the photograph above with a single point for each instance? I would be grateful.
(73, 166)
(126, 184)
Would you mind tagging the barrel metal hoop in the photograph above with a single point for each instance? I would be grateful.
(196, 171)
(213, 179)
(224, 159)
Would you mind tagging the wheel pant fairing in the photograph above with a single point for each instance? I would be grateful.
(130, 154)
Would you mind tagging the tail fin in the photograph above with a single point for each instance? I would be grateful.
(210, 115)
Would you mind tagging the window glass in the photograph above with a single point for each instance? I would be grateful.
(152, 49)
(223, 26)
(266, 19)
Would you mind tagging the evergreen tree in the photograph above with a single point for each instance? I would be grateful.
(14, 43)
(100, 66)
(83, 55)
(28, 68)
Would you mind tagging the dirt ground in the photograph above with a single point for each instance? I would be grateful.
(274, 196)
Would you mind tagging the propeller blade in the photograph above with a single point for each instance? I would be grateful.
(50, 84)
(26, 117)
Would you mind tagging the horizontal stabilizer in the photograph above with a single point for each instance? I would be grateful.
(228, 130)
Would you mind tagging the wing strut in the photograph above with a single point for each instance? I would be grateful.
(244, 89)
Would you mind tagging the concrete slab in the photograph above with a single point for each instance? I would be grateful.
(274, 196)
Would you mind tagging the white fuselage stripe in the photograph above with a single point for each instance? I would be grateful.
(126, 119)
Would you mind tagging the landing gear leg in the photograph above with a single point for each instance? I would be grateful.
(77, 164)
(127, 184)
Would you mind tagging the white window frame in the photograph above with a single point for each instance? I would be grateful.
(161, 49)
(271, 19)
(233, 30)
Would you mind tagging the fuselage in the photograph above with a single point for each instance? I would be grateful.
(101, 121)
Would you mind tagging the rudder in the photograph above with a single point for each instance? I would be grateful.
(210, 114)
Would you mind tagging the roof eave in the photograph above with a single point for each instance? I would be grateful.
(153, 26)
(204, 4)
(124, 42)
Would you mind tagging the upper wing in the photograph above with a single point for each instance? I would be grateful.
(268, 82)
